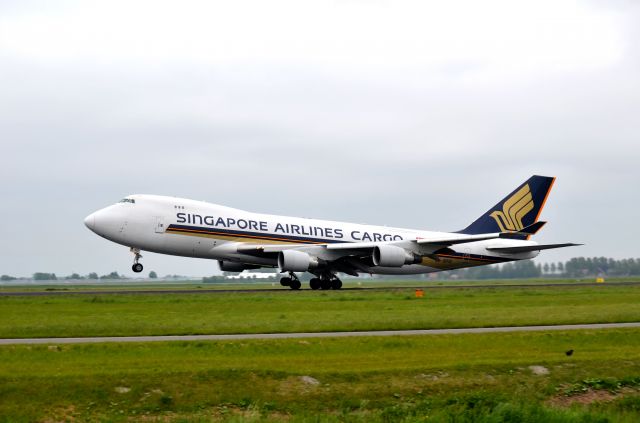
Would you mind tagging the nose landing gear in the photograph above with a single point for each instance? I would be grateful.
(137, 267)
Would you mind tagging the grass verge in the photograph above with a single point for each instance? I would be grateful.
(310, 311)
(472, 377)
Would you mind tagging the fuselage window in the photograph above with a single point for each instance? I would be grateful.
(128, 200)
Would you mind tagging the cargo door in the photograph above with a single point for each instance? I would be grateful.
(159, 225)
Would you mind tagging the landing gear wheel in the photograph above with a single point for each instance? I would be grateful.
(292, 281)
(285, 281)
(314, 283)
(336, 283)
(295, 284)
(325, 284)
(137, 267)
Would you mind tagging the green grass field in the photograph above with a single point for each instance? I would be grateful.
(448, 378)
(311, 311)
(429, 378)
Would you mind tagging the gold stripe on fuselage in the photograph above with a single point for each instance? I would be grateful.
(449, 262)
(443, 261)
(238, 238)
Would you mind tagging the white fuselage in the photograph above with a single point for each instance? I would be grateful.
(189, 228)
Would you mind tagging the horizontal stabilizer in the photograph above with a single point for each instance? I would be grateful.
(528, 248)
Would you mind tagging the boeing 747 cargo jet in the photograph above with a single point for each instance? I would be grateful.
(242, 240)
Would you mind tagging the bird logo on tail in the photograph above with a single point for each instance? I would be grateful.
(514, 209)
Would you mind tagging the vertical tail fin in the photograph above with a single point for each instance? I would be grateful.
(517, 210)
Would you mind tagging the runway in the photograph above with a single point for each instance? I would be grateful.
(419, 332)
(137, 291)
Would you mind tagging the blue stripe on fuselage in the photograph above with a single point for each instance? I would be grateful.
(251, 234)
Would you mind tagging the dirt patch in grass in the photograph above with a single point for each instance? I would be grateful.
(539, 370)
(63, 414)
(595, 390)
(296, 384)
(585, 398)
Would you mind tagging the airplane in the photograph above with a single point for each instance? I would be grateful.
(242, 240)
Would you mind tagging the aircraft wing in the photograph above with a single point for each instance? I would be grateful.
(266, 250)
(422, 243)
(349, 248)
(342, 259)
(457, 239)
(350, 257)
(527, 248)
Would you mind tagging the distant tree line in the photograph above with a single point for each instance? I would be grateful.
(512, 270)
(577, 267)
(601, 266)
(215, 279)
(43, 276)
(225, 277)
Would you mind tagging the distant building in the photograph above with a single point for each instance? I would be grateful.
(251, 275)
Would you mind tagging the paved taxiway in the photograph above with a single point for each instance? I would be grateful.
(135, 291)
(160, 338)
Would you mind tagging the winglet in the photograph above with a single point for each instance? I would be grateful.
(528, 231)
(533, 228)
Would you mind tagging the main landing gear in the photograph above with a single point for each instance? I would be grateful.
(326, 281)
(137, 267)
(291, 281)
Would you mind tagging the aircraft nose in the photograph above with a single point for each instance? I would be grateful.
(107, 223)
(90, 221)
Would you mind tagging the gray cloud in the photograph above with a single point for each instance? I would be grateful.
(418, 143)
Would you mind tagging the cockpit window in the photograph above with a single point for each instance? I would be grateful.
(127, 200)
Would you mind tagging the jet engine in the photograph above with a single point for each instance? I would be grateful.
(234, 266)
(296, 261)
(392, 256)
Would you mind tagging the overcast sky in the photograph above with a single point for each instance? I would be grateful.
(405, 113)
